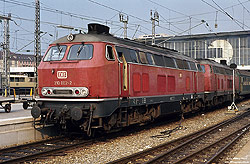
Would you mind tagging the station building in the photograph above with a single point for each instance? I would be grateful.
(19, 64)
(18, 60)
(234, 47)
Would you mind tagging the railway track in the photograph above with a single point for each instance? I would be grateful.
(36, 150)
(204, 146)
(56, 146)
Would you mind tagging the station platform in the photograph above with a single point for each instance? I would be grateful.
(17, 127)
(16, 112)
(243, 157)
(6, 99)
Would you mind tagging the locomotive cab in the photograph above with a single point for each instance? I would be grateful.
(78, 78)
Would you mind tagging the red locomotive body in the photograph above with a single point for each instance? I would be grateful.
(98, 81)
(218, 82)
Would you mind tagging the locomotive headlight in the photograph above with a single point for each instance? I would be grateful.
(49, 91)
(44, 92)
(85, 91)
(77, 92)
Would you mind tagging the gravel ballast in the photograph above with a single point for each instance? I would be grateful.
(112, 149)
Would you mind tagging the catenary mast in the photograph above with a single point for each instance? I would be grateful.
(37, 43)
(6, 55)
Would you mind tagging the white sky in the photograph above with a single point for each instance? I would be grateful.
(175, 16)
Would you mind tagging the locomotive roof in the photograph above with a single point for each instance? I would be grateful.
(243, 72)
(119, 41)
(213, 63)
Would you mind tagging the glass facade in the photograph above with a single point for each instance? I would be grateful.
(230, 46)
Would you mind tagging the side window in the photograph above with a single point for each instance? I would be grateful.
(180, 64)
(185, 65)
(143, 57)
(21, 79)
(211, 69)
(193, 66)
(125, 52)
(150, 58)
(203, 68)
(169, 62)
(109, 53)
(133, 56)
(229, 72)
(199, 68)
(219, 70)
(215, 69)
(223, 71)
(11, 79)
(159, 60)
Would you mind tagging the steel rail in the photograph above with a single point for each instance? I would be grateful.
(43, 148)
(154, 152)
(228, 145)
(238, 134)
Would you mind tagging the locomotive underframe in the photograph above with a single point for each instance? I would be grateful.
(112, 114)
(109, 114)
(218, 98)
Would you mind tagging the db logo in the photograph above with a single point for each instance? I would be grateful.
(62, 74)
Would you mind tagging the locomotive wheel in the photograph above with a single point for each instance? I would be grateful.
(25, 105)
(7, 108)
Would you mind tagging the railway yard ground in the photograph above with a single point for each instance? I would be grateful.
(143, 138)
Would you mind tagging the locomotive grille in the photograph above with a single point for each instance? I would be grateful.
(64, 92)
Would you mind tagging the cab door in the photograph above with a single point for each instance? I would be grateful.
(123, 75)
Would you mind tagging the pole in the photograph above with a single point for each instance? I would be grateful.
(153, 31)
(233, 107)
(37, 44)
(154, 18)
(6, 55)
(124, 20)
(233, 85)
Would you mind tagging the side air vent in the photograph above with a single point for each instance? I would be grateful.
(95, 28)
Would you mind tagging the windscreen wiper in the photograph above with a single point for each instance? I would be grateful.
(80, 49)
(59, 49)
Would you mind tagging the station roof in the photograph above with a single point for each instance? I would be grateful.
(18, 57)
(205, 36)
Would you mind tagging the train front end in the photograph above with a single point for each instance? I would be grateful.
(76, 83)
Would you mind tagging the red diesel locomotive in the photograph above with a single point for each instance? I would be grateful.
(218, 82)
(97, 81)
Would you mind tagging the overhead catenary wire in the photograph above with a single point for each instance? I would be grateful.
(220, 9)
(29, 43)
(211, 12)
(244, 7)
(59, 12)
(226, 13)
(79, 16)
(118, 11)
(170, 23)
(127, 14)
(45, 7)
(202, 22)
